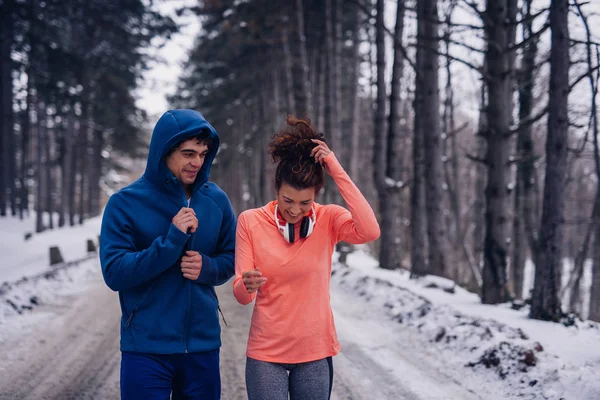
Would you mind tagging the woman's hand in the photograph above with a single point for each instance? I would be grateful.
(253, 280)
(320, 151)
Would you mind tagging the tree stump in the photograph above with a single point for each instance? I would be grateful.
(55, 256)
(91, 246)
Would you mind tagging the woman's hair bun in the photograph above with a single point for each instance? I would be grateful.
(295, 141)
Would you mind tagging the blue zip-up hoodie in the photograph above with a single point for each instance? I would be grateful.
(140, 249)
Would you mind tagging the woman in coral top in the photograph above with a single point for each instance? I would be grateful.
(283, 261)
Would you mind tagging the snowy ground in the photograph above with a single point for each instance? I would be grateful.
(516, 356)
(401, 339)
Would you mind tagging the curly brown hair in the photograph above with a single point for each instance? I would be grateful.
(290, 149)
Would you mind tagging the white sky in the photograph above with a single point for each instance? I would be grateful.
(160, 80)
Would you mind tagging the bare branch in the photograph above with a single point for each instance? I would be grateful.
(481, 14)
(534, 36)
(476, 159)
(367, 12)
(468, 26)
(460, 60)
(466, 46)
(529, 121)
(590, 72)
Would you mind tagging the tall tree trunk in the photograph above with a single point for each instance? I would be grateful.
(500, 26)
(48, 178)
(7, 161)
(574, 281)
(96, 171)
(288, 63)
(300, 70)
(428, 84)
(380, 143)
(25, 135)
(418, 216)
(66, 150)
(525, 187)
(328, 90)
(83, 161)
(73, 171)
(351, 160)
(545, 303)
(594, 313)
(39, 204)
(319, 90)
(479, 192)
(390, 255)
(336, 93)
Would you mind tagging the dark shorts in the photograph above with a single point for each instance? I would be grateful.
(156, 376)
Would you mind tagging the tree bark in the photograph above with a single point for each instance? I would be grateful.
(500, 22)
(83, 161)
(390, 255)
(96, 171)
(545, 303)
(525, 186)
(7, 176)
(479, 192)
(41, 122)
(352, 163)
(418, 216)
(427, 85)
(289, 79)
(300, 70)
(48, 178)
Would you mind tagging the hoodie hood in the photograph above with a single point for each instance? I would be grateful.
(173, 127)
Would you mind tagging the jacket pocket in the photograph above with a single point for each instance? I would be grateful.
(137, 304)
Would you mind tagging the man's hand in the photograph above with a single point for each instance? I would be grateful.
(186, 219)
(253, 280)
(191, 265)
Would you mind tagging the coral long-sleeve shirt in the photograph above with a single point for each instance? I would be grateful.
(292, 321)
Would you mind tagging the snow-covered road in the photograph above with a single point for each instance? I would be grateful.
(68, 349)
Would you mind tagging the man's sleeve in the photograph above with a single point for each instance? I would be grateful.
(123, 266)
(218, 269)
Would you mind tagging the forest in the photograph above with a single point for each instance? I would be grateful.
(471, 126)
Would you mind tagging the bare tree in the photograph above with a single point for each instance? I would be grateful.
(427, 83)
(499, 21)
(301, 85)
(417, 196)
(389, 181)
(7, 177)
(40, 129)
(525, 182)
(545, 303)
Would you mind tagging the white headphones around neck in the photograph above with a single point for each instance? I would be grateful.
(306, 227)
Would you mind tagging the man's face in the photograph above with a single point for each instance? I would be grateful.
(186, 161)
(294, 204)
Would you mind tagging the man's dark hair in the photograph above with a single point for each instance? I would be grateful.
(202, 137)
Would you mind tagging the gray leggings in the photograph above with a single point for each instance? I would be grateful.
(305, 381)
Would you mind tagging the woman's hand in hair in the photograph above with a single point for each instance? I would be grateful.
(253, 280)
(320, 151)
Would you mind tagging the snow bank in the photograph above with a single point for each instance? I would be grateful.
(533, 359)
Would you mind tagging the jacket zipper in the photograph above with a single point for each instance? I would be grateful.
(189, 290)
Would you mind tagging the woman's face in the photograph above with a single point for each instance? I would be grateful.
(293, 203)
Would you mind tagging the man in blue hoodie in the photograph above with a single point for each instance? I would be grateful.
(166, 241)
